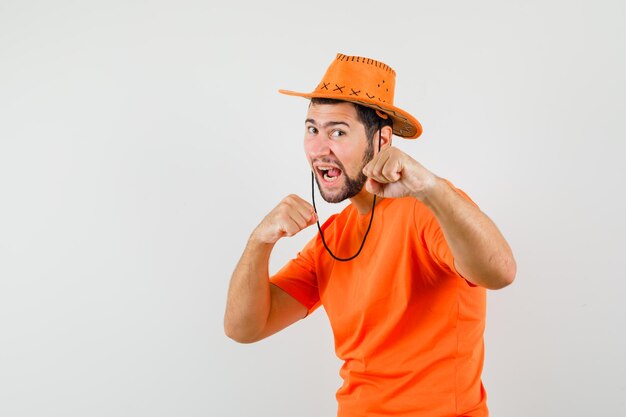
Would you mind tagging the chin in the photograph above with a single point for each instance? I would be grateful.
(333, 198)
(348, 189)
(339, 196)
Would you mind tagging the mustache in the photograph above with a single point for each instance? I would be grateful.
(329, 161)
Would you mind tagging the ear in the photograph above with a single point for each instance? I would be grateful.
(386, 134)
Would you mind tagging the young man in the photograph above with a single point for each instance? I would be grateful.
(401, 271)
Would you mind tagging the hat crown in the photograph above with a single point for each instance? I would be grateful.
(361, 78)
(366, 82)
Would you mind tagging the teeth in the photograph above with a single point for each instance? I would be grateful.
(324, 170)
(330, 179)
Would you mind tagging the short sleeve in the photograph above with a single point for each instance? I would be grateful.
(432, 236)
(298, 278)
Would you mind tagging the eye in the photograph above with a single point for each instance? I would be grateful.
(337, 133)
(311, 130)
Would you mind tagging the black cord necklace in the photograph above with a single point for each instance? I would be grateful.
(369, 226)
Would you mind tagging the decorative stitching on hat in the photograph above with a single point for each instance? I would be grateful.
(368, 96)
(340, 89)
(360, 59)
(325, 86)
(354, 93)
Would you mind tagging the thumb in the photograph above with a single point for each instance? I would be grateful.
(374, 187)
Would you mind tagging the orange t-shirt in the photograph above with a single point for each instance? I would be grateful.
(408, 327)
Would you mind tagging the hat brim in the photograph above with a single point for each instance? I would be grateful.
(404, 125)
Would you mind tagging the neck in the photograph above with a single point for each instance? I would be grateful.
(363, 201)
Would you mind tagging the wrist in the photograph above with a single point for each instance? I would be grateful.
(257, 240)
(428, 188)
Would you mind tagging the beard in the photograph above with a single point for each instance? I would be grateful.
(352, 186)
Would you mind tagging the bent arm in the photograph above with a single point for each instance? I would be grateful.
(481, 254)
(255, 308)
(249, 297)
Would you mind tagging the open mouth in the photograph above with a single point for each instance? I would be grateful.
(328, 173)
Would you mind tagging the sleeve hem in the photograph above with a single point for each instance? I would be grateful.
(293, 292)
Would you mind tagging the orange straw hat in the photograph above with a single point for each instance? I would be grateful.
(366, 82)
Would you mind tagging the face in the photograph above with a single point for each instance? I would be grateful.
(337, 148)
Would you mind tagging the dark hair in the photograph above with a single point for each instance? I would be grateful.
(366, 115)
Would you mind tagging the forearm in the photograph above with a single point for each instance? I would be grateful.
(250, 293)
(249, 299)
(481, 253)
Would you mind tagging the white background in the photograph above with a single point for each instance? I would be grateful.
(140, 143)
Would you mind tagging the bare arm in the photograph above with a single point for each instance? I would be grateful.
(255, 308)
(481, 254)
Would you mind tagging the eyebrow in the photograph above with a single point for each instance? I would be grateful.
(327, 124)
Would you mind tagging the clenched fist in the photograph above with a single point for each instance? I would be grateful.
(392, 173)
(289, 217)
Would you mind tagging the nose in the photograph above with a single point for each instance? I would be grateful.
(318, 146)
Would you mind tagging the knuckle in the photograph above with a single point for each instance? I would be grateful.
(282, 214)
